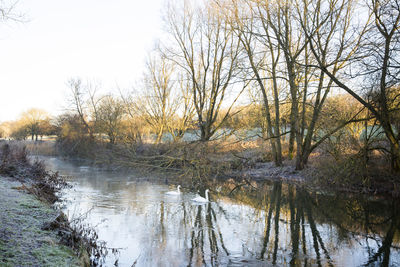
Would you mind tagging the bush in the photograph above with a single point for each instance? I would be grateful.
(15, 163)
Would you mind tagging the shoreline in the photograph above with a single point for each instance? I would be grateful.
(261, 172)
(27, 211)
(223, 166)
(310, 178)
(24, 238)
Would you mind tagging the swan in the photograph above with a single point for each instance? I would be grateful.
(174, 193)
(202, 199)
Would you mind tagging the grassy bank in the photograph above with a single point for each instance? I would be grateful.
(32, 231)
(23, 238)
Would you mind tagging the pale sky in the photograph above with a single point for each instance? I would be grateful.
(102, 40)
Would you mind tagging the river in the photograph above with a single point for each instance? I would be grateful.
(266, 224)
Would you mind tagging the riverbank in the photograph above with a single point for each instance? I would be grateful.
(329, 176)
(198, 163)
(23, 238)
(32, 231)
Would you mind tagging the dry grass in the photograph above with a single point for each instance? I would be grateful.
(45, 148)
(351, 172)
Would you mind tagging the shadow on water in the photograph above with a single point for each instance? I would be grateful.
(326, 230)
(265, 224)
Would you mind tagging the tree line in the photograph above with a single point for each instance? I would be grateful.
(301, 70)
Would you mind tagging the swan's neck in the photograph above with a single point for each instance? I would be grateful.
(179, 190)
(207, 195)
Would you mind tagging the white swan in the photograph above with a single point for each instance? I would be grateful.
(174, 193)
(201, 199)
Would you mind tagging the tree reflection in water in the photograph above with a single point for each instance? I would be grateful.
(206, 229)
(291, 226)
(259, 225)
(313, 227)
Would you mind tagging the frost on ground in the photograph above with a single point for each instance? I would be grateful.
(268, 171)
(23, 242)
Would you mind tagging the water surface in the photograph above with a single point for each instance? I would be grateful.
(267, 224)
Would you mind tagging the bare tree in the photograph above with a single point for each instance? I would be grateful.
(32, 120)
(8, 11)
(160, 102)
(263, 57)
(316, 84)
(272, 34)
(85, 103)
(279, 23)
(185, 112)
(378, 53)
(208, 52)
(111, 112)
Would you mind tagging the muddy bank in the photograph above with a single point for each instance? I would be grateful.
(23, 241)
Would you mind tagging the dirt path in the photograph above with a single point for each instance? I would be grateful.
(22, 241)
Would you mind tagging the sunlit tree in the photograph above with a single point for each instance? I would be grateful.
(34, 121)
(206, 49)
(111, 112)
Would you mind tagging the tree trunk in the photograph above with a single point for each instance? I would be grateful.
(159, 134)
(394, 148)
(395, 156)
(204, 132)
(292, 133)
(294, 113)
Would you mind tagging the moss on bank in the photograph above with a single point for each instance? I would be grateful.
(23, 242)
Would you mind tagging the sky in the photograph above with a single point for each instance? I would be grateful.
(105, 41)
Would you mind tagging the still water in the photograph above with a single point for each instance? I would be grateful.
(267, 224)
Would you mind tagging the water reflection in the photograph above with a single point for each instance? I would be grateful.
(327, 230)
(274, 224)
